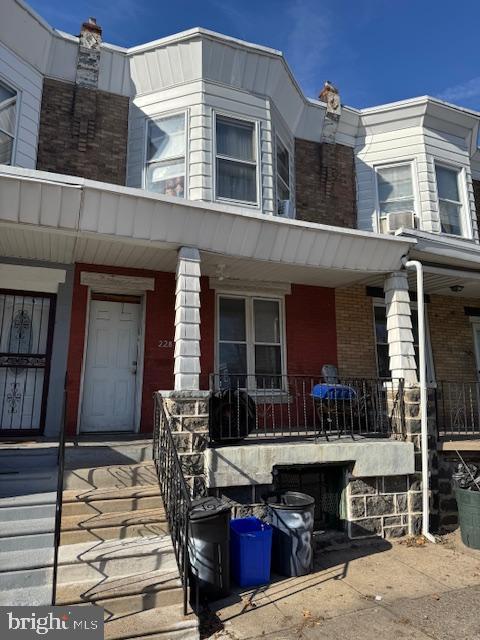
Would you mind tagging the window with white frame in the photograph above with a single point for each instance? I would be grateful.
(395, 191)
(236, 160)
(449, 201)
(250, 340)
(283, 176)
(8, 108)
(381, 340)
(165, 163)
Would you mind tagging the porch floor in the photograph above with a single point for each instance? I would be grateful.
(362, 592)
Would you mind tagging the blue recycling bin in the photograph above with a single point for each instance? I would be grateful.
(250, 551)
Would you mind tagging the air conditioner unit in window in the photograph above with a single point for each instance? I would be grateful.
(285, 209)
(395, 220)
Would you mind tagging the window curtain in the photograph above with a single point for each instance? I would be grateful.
(235, 139)
(236, 181)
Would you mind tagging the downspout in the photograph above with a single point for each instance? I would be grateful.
(415, 264)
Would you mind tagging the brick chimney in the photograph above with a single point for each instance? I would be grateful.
(88, 60)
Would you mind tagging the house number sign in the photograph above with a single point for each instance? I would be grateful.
(165, 344)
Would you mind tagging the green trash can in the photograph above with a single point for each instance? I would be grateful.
(468, 503)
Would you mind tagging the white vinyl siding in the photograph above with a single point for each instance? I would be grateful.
(27, 83)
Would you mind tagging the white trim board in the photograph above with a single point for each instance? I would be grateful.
(106, 282)
(25, 278)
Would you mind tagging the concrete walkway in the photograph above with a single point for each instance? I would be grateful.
(377, 591)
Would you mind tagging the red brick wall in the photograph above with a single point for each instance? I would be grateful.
(159, 325)
(310, 328)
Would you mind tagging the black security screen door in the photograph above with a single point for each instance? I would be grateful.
(26, 331)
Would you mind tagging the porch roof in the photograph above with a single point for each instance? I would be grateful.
(67, 219)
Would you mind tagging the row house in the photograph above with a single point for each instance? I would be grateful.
(179, 219)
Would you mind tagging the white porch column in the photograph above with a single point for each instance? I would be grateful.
(399, 328)
(187, 320)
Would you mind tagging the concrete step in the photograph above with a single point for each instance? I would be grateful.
(95, 507)
(34, 541)
(163, 622)
(27, 596)
(27, 457)
(26, 527)
(110, 476)
(114, 558)
(24, 484)
(26, 512)
(135, 603)
(114, 533)
(25, 578)
(113, 519)
(32, 499)
(24, 559)
(74, 495)
(138, 584)
(81, 454)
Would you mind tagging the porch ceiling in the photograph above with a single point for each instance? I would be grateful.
(64, 219)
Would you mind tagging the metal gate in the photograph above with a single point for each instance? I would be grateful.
(323, 482)
(26, 332)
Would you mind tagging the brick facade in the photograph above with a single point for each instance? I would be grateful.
(355, 333)
(83, 132)
(451, 337)
(325, 183)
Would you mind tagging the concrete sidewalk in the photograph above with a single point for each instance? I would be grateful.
(376, 591)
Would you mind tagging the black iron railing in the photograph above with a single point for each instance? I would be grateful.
(253, 407)
(458, 409)
(59, 498)
(175, 493)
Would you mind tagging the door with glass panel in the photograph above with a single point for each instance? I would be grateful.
(26, 332)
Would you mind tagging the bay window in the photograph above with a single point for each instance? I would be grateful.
(8, 108)
(449, 202)
(250, 340)
(236, 164)
(165, 168)
(395, 191)
(283, 176)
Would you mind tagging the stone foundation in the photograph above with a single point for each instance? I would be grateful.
(389, 506)
(187, 412)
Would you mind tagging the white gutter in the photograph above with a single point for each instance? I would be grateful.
(415, 264)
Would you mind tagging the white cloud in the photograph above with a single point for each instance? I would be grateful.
(308, 42)
(456, 93)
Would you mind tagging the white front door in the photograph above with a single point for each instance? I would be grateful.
(109, 386)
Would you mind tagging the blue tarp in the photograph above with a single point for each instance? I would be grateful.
(333, 392)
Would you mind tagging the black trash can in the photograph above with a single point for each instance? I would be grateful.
(209, 546)
(292, 517)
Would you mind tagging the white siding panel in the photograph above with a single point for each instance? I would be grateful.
(28, 82)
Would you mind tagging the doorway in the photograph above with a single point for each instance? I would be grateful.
(110, 389)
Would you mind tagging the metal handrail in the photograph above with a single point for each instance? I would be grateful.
(258, 407)
(175, 493)
(59, 497)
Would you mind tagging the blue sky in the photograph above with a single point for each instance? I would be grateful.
(375, 51)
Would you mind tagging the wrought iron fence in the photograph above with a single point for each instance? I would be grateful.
(175, 493)
(251, 406)
(458, 409)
